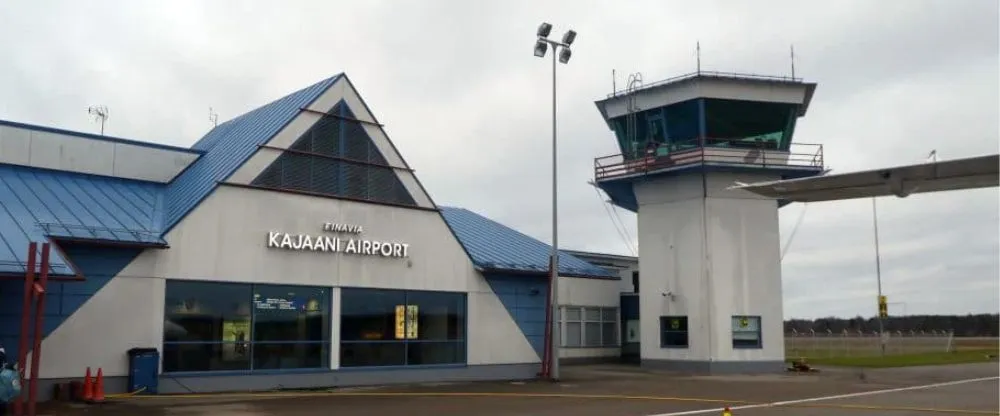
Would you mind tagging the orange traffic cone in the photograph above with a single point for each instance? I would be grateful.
(99, 387)
(725, 410)
(88, 388)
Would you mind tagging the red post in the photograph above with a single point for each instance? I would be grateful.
(36, 352)
(22, 346)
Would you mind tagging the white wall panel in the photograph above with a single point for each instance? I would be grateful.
(49, 150)
(739, 274)
(659, 96)
(672, 276)
(335, 297)
(746, 273)
(589, 352)
(494, 337)
(225, 239)
(126, 313)
(588, 292)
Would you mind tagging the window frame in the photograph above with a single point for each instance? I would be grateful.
(739, 344)
(362, 172)
(462, 341)
(325, 345)
(565, 321)
(664, 331)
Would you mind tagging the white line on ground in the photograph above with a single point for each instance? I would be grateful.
(839, 396)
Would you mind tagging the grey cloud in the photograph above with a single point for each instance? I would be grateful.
(468, 105)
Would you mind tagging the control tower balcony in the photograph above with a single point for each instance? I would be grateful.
(705, 122)
(741, 154)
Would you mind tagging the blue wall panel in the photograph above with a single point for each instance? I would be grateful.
(524, 298)
(97, 264)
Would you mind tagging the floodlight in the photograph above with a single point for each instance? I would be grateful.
(564, 55)
(569, 37)
(544, 29)
(540, 48)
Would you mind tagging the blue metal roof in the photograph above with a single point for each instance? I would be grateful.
(231, 144)
(37, 203)
(497, 248)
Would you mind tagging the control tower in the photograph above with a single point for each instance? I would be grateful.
(709, 256)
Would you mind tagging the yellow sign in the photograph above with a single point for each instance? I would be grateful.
(406, 322)
(400, 321)
(675, 323)
(411, 322)
(883, 307)
(744, 322)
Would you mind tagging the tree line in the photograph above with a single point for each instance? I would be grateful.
(980, 325)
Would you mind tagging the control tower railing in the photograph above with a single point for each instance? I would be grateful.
(712, 152)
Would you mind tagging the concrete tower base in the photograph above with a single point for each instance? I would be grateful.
(710, 273)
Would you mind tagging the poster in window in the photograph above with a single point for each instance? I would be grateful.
(411, 321)
(632, 330)
(400, 321)
(235, 335)
(406, 321)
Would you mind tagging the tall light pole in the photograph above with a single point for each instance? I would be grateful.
(563, 52)
(878, 278)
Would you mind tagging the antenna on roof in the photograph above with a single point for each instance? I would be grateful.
(99, 112)
(614, 86)
(213, 117)
(791, 49)
(697, 52)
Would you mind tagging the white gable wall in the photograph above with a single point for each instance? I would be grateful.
(225, 239)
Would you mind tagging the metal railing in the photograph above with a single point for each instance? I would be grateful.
(714, 74)
(868, 344)
(715, 151)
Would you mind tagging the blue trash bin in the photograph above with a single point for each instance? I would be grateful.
(143, 370)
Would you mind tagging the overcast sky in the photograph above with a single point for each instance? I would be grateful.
(468, 106)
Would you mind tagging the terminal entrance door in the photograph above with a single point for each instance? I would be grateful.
(630, 327)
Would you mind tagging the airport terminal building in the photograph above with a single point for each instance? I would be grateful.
(290, 247)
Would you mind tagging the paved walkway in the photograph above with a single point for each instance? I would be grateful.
(619, 390)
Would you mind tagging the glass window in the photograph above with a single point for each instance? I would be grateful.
(590, 327)
(574, 334)
(397, 328)
(609, 333)
(369, 354)
(206, 312)
(291, 313)
(592, 334)
(435, 352)
(673, 332)
(369, 314)
(746, 332)
(440, 315)
(273, 356)
(609, 314)
(205, 357)
(212, 326)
